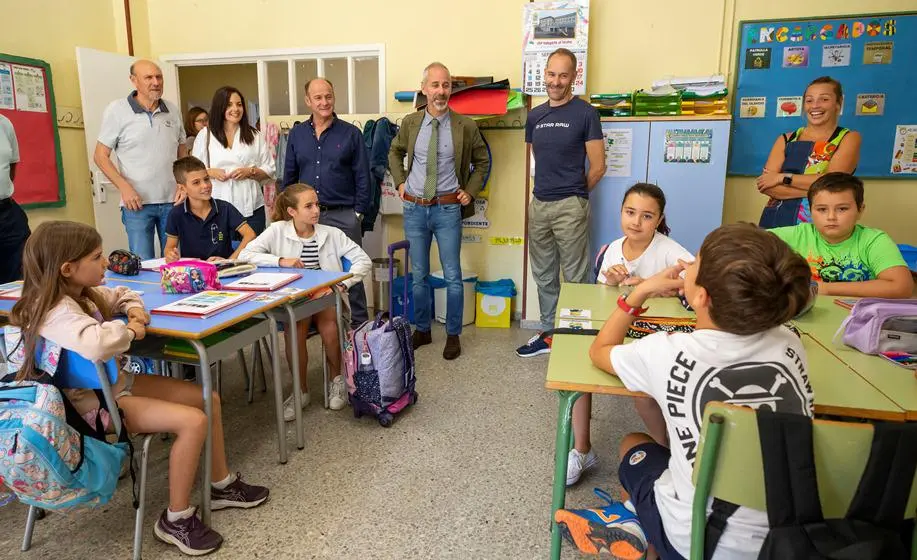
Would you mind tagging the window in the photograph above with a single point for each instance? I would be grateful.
(357, 72)
(356, 75)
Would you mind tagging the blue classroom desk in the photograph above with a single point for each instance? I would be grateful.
(288, 308)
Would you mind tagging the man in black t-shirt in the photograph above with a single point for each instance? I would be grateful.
(562, 133)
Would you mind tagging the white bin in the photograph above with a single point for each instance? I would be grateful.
(439, 298)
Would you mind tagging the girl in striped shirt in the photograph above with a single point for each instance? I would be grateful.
(295, 239)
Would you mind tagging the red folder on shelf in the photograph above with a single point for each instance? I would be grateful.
(480, 102)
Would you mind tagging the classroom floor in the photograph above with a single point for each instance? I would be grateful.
(464, 474)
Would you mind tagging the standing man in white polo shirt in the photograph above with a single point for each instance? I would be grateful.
(147, 135)
(14, 224)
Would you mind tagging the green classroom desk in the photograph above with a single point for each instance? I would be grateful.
(896, 383)
(839, 389)
(602, 300)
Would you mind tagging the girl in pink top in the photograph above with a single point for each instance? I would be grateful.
(63, 302)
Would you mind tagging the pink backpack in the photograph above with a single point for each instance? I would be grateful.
(189, 277)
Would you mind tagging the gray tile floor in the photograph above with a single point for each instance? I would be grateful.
(464, 474)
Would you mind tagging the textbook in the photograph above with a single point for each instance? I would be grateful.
(202, 304)
(263, 281)
(11, 290)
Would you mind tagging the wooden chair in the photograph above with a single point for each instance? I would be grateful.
(729, 466)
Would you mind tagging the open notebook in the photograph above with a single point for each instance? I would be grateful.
(202, 304)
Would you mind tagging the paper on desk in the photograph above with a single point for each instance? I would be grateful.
(573, 313)
(152, 264)
(578, 324)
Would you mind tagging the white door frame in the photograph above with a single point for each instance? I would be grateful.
(262, 57)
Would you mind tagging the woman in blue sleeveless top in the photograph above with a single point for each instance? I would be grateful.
(799, 157)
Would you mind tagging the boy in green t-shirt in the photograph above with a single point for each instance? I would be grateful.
(847, 259)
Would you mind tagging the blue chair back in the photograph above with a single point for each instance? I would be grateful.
(76, 372)
(345, 264)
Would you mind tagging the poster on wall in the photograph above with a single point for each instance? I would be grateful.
(6, 87)
(689, 145)
(547, 26)
(904, 158)
(479, 219)
(619, 151)
(29, 85)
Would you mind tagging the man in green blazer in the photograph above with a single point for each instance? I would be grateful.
(438, 160)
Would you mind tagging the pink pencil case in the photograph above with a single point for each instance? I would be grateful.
(189, 277)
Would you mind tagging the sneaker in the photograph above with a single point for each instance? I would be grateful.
(578, 463)
(338, 398)
(613, 528)
(238, 494)
(537, 345)
(289, 409)
(190, 535)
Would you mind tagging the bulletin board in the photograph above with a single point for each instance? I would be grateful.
(27, 100)
(873, 56)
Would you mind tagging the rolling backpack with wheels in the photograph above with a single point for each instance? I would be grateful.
(379, 361)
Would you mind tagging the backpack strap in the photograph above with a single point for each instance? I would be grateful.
(790, 483)
(600, 256)
(881, 497)
(716, 525)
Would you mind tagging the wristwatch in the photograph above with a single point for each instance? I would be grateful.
(788, 179)
(627, 308)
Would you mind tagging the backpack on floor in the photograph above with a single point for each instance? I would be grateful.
(49, 456)
(379, 361)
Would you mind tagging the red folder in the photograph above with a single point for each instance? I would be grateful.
(480, 102)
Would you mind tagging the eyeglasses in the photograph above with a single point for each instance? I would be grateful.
(202, 120)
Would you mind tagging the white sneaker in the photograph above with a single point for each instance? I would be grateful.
(289, 410)
(578, 463)
(338, 398)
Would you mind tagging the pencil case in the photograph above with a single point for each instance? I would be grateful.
(189, 277)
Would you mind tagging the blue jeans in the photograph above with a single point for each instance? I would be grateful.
(421, 224)
(140, 226)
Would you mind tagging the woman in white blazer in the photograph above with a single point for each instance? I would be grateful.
(296, 239)
(238, 159)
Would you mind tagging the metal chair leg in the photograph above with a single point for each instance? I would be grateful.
(257, 365)
(29, 527)
(138, 521)
(219, 379)
(240, 355)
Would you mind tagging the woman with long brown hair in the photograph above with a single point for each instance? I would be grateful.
(238, 159)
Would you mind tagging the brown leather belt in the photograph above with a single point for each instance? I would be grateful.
(450, 198)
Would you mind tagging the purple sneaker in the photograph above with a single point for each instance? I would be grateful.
(190, 535)
(238, 494)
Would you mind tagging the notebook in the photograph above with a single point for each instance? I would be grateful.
(202, 304)
(11, 290)
(152, 264)
(263, 281)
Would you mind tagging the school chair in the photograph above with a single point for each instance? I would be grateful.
(76, 372)
(729, 466)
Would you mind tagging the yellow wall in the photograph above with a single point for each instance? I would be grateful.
(890, 204)
(32, 33)
(481, 37)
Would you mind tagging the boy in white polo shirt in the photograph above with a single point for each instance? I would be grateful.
(147, 135)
